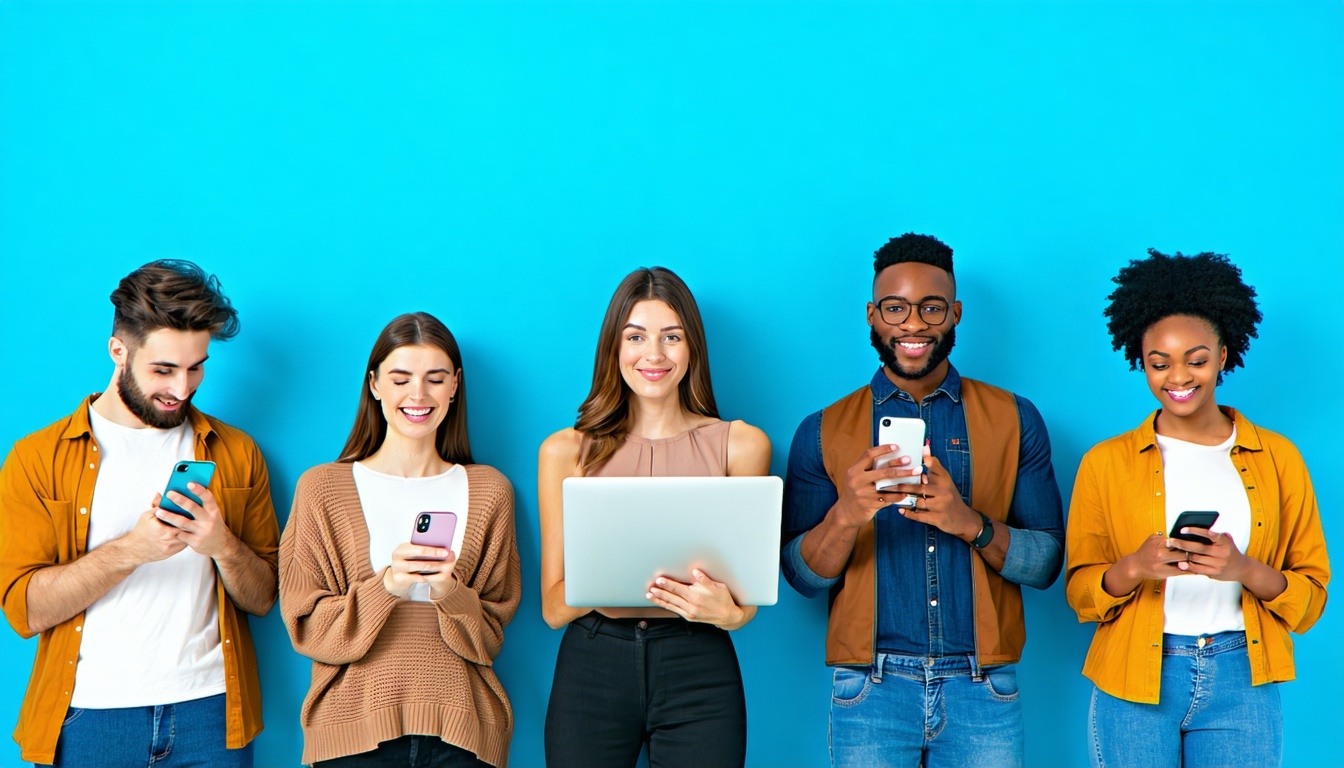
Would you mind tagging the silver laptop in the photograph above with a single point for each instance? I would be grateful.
(622, 532)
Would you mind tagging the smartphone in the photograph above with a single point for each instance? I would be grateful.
(908, 436)
(199, 472)
(434, 529)
(1197, 519)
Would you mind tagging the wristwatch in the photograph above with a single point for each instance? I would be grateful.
(986, 533)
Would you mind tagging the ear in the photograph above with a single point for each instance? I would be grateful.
(956, 312)
(118, 351)
(1222, 357)
(457, 382)
(373, 387)
(872, 308)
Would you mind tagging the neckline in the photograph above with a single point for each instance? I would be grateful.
(671, 438)
(375, 473)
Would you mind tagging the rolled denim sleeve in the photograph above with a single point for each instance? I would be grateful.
(1036, 516)
(808, 495)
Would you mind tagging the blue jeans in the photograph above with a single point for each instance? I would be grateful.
(188, 733)
(1207, 716)
(908, 711)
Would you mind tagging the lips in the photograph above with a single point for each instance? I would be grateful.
(912, 347)
(168, 405)
(1181, 395)
(654, 374)
(416, 415)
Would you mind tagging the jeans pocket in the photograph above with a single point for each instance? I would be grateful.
(1002, 682)
(849, 686)
(71, 715)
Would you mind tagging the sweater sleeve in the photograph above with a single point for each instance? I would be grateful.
(332, 616)
(473, 614)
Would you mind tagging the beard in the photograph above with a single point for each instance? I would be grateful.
(142, 406)
(940, 351)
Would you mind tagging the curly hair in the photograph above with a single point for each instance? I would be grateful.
(924, 249)
(1206, 285)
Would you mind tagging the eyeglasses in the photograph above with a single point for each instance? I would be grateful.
(895, 311)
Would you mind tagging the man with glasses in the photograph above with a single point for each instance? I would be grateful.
(926, 621)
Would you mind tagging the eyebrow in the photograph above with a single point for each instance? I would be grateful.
(405, 372)
(664, 328)
(166, 364)
(1195, 348)
(937, 296)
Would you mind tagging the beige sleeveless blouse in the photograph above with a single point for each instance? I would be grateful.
(699, 452)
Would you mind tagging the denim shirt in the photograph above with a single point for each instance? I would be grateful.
(924, 594)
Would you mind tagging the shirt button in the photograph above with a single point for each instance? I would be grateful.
(79, 628)
(90, 465)
(83, 510)
(95, 449)
(933, 602)
(930, 549)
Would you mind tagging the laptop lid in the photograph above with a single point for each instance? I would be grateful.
(622, 532)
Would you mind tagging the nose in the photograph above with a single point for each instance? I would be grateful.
(655, 351)
(180, 387)
(418, 387)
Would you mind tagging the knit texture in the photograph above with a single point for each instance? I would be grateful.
(385, 667)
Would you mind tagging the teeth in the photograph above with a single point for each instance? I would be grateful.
(416, 411)
(914, 344)
(1181, 394)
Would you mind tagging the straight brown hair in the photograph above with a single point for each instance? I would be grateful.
(604, 417)
(370, 428)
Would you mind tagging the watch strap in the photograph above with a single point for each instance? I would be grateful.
(986, 532)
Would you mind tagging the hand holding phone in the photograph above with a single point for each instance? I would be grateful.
(1193, 519)
(434, 529)
(199, 472)
(907, 434)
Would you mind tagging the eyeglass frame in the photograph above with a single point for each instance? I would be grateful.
(918, 309)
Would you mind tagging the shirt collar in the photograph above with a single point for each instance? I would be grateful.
(1248, 438)
(79, 425)
(883, 389)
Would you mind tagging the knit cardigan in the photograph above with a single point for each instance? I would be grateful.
(383, 666)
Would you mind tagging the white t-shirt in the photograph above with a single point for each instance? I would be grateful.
(1202, 477)
(153, 638)
(392, 503)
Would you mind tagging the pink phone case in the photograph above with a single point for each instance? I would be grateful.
(434, 529)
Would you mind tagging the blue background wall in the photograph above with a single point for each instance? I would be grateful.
(502, 165)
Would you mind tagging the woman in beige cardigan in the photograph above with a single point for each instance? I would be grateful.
(402, 635)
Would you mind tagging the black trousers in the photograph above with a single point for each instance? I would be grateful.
(409, 752)
(622, 683)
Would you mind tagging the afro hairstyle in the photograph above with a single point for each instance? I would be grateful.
(924, 249)
(1206, 285)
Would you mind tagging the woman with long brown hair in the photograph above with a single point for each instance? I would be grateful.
(366, 603)
(665, 675)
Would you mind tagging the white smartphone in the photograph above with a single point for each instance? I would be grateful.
(908, 436)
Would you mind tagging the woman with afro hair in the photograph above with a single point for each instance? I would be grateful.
(1191, 630)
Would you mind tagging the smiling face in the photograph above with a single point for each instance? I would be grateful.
(1182, 356)
(654, 354)
(157, 377)
(415, 385)
(913, 350)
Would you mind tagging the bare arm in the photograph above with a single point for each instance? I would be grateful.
(249, 580)
(58, 592)
(557, 459)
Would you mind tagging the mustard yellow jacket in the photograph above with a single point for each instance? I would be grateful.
(46, 490)
(1117, 503)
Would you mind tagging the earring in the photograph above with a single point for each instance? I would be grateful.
(452, 399)
(375, 397)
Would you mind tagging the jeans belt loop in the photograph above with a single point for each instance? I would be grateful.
(977, 674)
(879, 660)
(597, 622)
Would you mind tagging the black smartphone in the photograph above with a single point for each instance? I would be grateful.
(1195, 519)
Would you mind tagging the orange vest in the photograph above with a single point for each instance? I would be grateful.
(993, 429)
